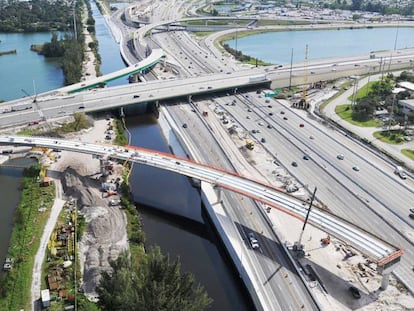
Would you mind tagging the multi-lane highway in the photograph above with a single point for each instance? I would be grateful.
(345, 183)
(378, 250)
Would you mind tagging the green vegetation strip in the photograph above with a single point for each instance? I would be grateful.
(363, 91)
(345, 112)
(408, 153)
(25, 240)
(390, 137)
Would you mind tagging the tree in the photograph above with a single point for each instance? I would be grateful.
(156, 284)
(364, 109)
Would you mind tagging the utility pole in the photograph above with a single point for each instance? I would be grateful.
(290, 72)
(74, 21)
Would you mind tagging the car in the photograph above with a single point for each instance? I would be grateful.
(136, 96)
(412, 210)
(285, 118)
(311, 137)
(340, 156)
(411, 215)
(269, 126)
(253, 241)
(282, 112)
(254, 131)
(301, 125)
(294, 164)
(81, 107)
(269, 106)
(263, 140)
(270, 113)
(268, 101)
(249, 110)
(260, 123)
(247, 117)
(355, 292)
(355, 168)
(185, 125)
(306, 157)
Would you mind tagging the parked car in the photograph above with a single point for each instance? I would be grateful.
(355, 168)
(294, 164)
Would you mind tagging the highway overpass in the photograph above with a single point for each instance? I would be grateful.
(379, 251)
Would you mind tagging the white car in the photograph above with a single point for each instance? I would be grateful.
(253, 241)
(340, 157)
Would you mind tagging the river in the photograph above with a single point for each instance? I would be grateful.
(195, 243)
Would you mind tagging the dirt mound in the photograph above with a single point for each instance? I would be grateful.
(105, 235)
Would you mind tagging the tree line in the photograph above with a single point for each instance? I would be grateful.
(35, 16)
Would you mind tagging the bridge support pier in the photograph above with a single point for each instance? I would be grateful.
(134, 78)
(219, 192)
(385, 281)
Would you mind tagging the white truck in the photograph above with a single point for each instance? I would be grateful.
(400, 172)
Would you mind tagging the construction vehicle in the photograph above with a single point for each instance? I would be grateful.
(249, 144)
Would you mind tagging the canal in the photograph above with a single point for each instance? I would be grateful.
(157, 193)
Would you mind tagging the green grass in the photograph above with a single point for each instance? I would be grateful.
(363, 91)
(24, 243)
(408, 153)
(390, 137)
(345, 112)
(203, 33)
(272, 22)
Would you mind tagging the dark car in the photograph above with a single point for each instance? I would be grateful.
(136, 96)
(411, 216)
(284, 118)
(355, 292)
(305, 157)
(185, 125)
(294, 164)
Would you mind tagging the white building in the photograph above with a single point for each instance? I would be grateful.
(406, 106)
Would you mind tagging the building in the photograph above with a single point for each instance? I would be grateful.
(407, 86)
(406, 106)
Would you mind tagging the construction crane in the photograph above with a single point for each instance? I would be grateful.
(303, 101)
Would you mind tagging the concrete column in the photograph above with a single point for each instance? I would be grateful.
(219, 191)
(385, 281)
(102, 165)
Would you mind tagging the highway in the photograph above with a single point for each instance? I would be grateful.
(347, 193)
(378, 250)
(57, 104)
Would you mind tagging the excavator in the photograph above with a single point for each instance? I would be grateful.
(249, 144)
